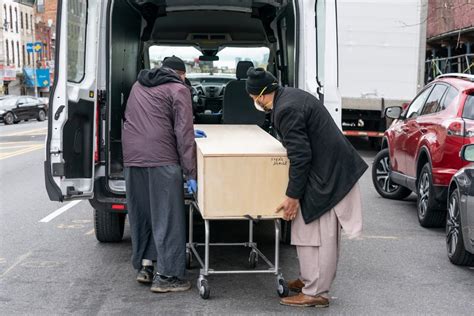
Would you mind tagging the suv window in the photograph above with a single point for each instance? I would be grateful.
(417, 105)
(468, 111)
(434, 99)
(76, 33)
(448, 99)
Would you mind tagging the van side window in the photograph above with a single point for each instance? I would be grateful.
(468, 111)
(76, 33)
(449, 97)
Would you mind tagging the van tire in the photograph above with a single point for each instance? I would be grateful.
(108, 225)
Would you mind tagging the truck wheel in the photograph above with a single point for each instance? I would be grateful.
(108, 225)
(381, 178)
(428, 214)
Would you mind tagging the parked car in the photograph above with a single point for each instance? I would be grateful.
(14, 109)
(460, 216)
(420, 151)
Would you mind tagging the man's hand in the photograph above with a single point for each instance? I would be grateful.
(192, 186)
(290, 208)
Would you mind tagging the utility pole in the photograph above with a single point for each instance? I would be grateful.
(35, 82)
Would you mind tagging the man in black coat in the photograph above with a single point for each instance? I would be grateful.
(322, 192)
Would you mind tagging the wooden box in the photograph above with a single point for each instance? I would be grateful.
(242, 170)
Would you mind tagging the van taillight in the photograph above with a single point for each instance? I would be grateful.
(118, 206)
(456, 128)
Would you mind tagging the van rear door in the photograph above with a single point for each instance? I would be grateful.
(318, 59)
(71, 141)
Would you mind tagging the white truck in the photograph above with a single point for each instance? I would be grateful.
(382, 48)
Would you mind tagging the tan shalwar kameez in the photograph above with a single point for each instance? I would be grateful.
(317, 243)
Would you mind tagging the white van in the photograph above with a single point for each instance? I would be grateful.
(102, 45)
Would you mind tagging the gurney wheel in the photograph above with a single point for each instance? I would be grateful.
(204, 290)
(282, 289)
(189, 259)
(253, 259)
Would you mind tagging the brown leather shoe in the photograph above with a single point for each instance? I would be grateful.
(296, 285)
(302, 300)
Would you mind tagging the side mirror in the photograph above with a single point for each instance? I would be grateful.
(467, 153)
(393, 112)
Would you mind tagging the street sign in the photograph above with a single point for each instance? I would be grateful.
(29, 47)
(38, 46)
(34, 47)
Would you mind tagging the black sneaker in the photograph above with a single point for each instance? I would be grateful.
(145, 275)
(169, 284)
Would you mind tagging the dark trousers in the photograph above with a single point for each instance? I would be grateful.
(155, 202)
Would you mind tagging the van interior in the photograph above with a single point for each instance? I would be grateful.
(218, 40)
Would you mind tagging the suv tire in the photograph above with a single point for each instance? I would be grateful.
(381, 178)
(108, 225)
(457, 253)
(9, 119)
(428, 213)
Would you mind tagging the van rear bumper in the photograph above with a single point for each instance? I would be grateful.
(105, 200)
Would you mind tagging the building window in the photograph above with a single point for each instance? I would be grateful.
(8, 52)
(11, 19)
(31, 23)
(21, 20)
(16, 20)
(5, 16)
(40, 6)
(23, 55)
(18, 53)
(26, 21)
(13, 53)
(29, 58)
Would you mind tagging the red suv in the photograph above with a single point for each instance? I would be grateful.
(420, 150)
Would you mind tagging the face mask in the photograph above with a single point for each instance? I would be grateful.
(262, 108)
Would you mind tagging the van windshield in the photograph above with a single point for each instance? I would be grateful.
(225, 66)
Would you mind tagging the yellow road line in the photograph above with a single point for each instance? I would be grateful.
(37, 130)
(20, 152)
(18, 146)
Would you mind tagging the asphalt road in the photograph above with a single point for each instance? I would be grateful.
(58, 267)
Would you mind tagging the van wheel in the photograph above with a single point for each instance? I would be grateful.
(41, 115)
(428, 214)
(108, 225)
(381, 178)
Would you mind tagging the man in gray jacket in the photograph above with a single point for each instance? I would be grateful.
(158, 147)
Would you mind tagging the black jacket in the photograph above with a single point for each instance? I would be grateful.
(324, 166)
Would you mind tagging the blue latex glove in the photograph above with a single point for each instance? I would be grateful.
(192, 186)
(199, 134)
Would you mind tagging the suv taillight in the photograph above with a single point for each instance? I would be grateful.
(469, 128)
(456, 128)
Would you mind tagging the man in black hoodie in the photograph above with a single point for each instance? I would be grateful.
(323, 192)
(158, 147)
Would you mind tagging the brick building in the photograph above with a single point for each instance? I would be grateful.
(450, 37)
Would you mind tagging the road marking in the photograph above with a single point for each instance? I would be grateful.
(21, 151)
(59, 211)
(36, 131)
(17, 262)
(90, 232)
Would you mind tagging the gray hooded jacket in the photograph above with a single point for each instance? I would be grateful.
(158, 125)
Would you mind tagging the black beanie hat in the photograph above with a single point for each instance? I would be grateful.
(174, 63)
(259, 79)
